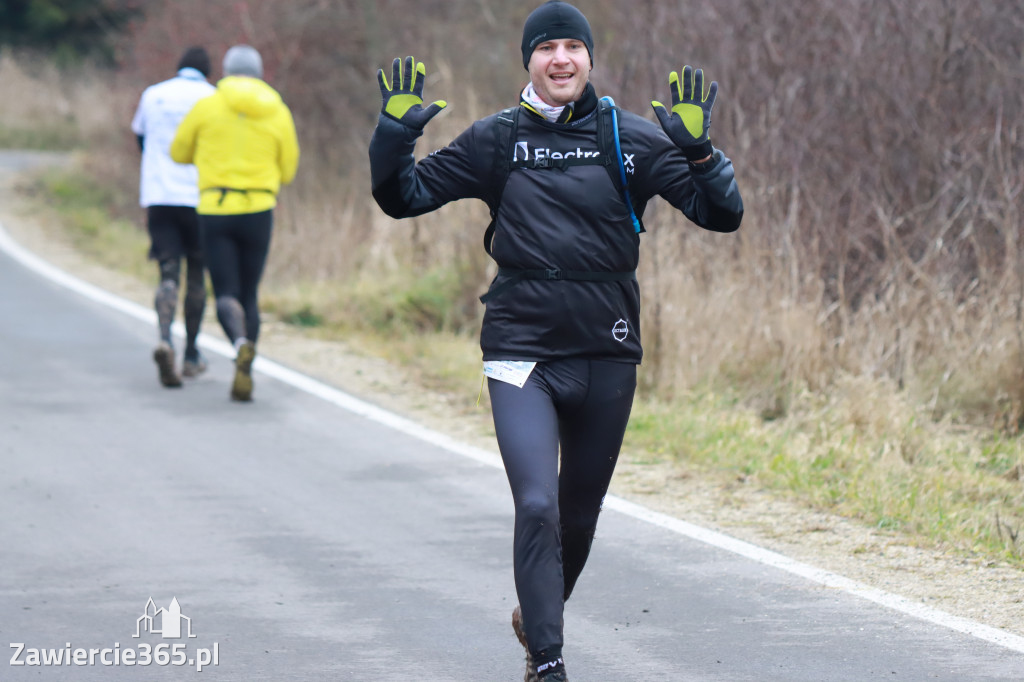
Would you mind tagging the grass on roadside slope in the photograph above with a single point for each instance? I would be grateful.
(82, 205)
(53, 137)
(860, 451)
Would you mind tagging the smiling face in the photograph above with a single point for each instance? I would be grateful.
(559, 70)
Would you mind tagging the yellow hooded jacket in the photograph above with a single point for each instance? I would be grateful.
(242, 140)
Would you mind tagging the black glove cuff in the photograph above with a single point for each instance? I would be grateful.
(706, 166)
(698, 151)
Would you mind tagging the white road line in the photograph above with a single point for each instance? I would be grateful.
(411, 428)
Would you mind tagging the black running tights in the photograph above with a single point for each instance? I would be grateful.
(235, 248)
(581, 407)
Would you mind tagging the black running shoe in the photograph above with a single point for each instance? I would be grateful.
(163, 356)
(553, 671)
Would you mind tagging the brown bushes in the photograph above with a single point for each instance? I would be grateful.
(878, 145)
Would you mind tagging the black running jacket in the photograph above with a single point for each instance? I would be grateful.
(560, 219)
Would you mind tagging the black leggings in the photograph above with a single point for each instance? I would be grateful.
(166, 299)
(174, 234)
(583, 406)
(235, 248)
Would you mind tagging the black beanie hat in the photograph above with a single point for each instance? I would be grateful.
(195, 58)
(554, 20)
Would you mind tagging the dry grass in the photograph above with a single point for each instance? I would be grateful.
(45, 108)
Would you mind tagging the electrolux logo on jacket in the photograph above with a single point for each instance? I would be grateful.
(546, 153)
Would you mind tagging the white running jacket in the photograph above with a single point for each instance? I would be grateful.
(163, 182)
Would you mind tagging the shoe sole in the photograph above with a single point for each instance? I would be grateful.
(163, 356)
(241, 387)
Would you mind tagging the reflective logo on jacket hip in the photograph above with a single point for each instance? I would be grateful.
(620, 330)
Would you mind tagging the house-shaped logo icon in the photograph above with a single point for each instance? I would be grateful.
(164, 622)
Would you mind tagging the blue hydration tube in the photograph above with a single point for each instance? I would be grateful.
(622, 166)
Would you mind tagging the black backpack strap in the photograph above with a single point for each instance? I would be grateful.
(606, 141)
(564, 162)
(504, 145)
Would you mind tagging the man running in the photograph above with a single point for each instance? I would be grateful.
(567, 178)
(242, 139)
(169, 192)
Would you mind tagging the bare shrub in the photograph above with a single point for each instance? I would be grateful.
(878, 148)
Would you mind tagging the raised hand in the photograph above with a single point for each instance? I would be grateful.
(690, 119)
(403, 97)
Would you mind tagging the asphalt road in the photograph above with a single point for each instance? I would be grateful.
(304, 541)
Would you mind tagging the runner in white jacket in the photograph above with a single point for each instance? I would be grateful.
(169, 192)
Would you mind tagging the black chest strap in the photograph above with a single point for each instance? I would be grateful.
(515, 276)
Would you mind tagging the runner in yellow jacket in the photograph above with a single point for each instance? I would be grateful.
(242, 141)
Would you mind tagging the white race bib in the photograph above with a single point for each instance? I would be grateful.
(514, 372)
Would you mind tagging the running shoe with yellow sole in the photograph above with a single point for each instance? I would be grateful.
(241, 388)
